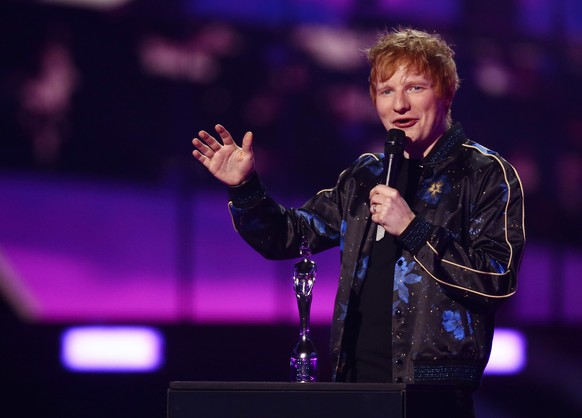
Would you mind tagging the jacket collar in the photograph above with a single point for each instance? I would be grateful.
(447, 145)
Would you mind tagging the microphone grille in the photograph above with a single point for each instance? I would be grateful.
(396, 136)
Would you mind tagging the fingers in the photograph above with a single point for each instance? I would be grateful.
(378, 209)
(390, 210)
(382, 199)
(247, 143)
(207, 146)
(207, 141)
(211, 142)
(379, 194)
(199, 156)
(202, 147)
(224, 134)
(381, 190)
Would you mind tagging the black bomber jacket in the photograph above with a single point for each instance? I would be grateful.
(460, 259)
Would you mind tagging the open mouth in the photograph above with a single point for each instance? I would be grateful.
(404, 123)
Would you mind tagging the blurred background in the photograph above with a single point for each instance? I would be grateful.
(119, 268)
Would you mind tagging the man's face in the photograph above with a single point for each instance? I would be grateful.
(408, 101)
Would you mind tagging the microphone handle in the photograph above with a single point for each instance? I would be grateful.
(391, 170)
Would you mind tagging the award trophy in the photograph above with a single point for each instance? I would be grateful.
(304, 355)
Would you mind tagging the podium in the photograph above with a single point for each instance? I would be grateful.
(307, 400)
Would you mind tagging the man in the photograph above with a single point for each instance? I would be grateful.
(416, 306)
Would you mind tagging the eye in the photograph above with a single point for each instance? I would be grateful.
(416, 88)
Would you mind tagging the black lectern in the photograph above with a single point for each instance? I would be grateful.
(307, 400)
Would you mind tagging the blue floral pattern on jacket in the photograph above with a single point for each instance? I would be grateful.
(432, 190)
(452, 323)
(403, 276)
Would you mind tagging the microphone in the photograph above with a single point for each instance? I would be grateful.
(393, 154)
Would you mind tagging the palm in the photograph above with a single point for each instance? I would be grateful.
(226, 161)
(229, 162)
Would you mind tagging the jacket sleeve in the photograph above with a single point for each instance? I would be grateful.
(479, 264)
(277, 232)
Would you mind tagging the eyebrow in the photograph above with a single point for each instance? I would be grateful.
(411, 80)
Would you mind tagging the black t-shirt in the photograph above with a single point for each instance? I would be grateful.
(368, 332)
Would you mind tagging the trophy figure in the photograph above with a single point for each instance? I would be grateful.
(304, 356)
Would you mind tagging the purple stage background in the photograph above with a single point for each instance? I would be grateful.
(79, 251)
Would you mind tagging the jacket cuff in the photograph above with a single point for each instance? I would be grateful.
(416, 234)
(247, 194)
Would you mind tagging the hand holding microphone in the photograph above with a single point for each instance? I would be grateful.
(388, 208)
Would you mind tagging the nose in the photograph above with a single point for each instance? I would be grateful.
(401, 103)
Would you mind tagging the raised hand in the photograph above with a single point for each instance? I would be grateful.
(226, 161)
